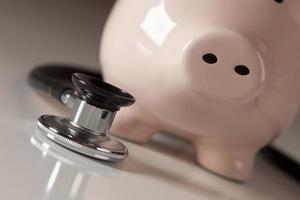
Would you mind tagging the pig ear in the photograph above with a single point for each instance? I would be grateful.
(294, 9)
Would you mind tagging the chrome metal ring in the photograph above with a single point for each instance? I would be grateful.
(82, 140)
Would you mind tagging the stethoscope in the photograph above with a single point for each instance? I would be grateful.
(94, 105)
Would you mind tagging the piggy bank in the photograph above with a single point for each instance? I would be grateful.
(223, 74)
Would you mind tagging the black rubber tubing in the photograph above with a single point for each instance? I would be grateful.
(54, 79)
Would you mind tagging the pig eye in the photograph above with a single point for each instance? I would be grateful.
(242, 70)
(210, 58)
(279, 1)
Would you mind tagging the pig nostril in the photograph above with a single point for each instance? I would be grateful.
(242, 70)
(210, 58)
(279, 1)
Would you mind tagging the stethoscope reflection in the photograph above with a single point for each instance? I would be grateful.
(70, 171)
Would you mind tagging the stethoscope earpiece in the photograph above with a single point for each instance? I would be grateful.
(94, 105)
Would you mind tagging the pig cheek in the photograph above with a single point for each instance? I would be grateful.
(294, 8)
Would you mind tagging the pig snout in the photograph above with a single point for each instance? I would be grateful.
(224, 65)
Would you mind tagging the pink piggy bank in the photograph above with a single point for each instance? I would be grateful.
(224, 74)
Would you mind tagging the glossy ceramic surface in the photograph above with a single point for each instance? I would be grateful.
(224, 74)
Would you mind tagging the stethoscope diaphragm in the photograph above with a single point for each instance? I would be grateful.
(81, 140)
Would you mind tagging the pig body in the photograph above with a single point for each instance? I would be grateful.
(223, 74)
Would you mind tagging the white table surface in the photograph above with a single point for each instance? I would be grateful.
(68, 31)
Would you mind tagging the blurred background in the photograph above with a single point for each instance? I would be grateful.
(34, 32)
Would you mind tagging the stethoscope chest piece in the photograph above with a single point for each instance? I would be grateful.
(94, 105)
